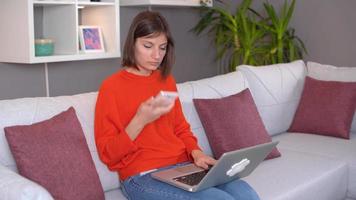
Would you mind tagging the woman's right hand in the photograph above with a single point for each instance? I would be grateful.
(154, 108)
(147, 112)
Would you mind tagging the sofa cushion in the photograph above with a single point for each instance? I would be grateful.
(333, 73)
(116, 194)
(19, 188)
(54, 154)
(326, 108)
(298, 175)
(331, 147)
(232, 123)
(31, 110)
(215, 87)
(276, 90)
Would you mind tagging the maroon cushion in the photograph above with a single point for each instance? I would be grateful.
(325, 108)
(54, 153)
(232, 123)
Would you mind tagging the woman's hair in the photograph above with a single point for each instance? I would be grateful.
(148, 23)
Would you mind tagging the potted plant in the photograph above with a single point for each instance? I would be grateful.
(285, 46)
(246, 37)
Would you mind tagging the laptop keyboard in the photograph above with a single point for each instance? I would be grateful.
(192, 179)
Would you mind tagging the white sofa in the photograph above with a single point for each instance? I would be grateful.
(311, 167)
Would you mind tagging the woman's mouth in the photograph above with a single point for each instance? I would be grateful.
(154, 63)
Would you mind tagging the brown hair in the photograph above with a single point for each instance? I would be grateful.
(144, 24)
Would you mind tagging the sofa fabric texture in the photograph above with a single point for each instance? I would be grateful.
(326, 108)
(54, 154)
(276, 90)
(333, 149)
(232, 123)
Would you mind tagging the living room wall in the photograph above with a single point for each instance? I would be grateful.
(326, 27)
(194, 60)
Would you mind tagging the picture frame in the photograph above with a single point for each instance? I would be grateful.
(91, 39)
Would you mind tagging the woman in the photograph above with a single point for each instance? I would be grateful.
(138, 131)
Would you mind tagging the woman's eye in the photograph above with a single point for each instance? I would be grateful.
(163, 48)
(147, 46)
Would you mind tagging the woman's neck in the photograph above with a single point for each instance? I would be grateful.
(138, 72)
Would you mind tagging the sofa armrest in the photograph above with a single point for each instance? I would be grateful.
(16, 187)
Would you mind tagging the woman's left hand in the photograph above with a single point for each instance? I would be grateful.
(202, 160)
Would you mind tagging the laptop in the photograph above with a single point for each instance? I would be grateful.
(231, 165)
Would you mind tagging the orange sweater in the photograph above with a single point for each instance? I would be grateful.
(166, 141)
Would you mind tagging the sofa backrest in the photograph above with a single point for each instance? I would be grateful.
(276, 90)
(27, 111)
(215, 87)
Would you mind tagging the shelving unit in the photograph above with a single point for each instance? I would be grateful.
(23, 21)
(194, 3)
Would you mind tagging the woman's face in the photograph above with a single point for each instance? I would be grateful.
(149, 52)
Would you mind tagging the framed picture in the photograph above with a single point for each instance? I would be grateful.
(91, 39)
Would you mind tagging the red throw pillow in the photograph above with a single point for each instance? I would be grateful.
(232, 123)
(55, 154)
(325, 108)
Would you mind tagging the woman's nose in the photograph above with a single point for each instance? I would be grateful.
(156, 54)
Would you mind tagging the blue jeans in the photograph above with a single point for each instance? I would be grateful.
(144, 187)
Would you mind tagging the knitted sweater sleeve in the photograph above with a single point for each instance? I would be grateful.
(112, 142)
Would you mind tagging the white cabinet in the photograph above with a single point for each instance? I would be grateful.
(164, 2)
(24, 21)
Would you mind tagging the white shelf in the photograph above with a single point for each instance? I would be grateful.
(194, 3)
(58, 20)
(53, 2)
(79, 56)
(96, 3)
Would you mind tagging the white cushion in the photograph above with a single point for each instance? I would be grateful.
(276, 90)
(115, 194)
(15, 187)
(215, 87)
(31, 110)
(299, 176)
(352, 181)
(332, 73)
(334, 148)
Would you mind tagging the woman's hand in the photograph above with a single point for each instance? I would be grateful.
(147, 112)
(202, 160)
(153, 109)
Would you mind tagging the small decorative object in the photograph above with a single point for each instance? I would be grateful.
(44, 47)
(91, 39)
(206, 2)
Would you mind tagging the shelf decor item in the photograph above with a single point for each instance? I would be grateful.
(91, 39)
(44, 47)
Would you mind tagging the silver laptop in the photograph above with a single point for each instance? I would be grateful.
(231, 165)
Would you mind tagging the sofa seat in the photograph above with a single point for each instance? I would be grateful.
(115, 194)
(334, 148)
(296, 176)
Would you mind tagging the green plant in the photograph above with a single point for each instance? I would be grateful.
(245, 37)
(285, 46)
